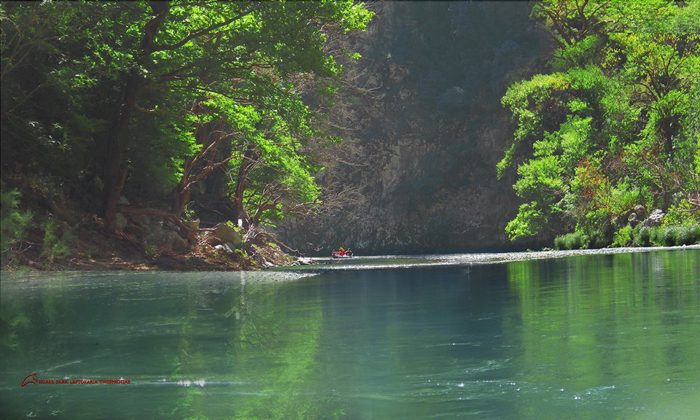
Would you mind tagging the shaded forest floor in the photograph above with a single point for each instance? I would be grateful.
(60, 235)
(93, 248)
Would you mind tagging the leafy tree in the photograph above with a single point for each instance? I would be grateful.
(151, 98)
(613, 127)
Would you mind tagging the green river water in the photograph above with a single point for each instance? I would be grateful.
(594, 336)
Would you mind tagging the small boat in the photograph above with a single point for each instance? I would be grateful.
(341, 254)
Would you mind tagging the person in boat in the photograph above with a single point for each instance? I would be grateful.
(341, 252)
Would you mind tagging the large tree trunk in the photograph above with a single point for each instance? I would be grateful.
(250, 159)
(115, 173)
(207, 165)
(183, 198)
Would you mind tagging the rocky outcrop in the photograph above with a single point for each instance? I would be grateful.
(226, 234)
(163, 237)
(654, 218)
(423, 129)
(155, 234)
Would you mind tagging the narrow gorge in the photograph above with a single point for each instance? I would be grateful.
(423, 130)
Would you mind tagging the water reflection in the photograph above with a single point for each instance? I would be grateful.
(176, 335)
(602, 336)
(623, 329)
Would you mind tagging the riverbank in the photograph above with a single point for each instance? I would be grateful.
(116, 254)
(45, 228)
(88, 246)
(59, 236)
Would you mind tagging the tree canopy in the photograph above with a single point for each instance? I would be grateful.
(613, 128)
(149, 100)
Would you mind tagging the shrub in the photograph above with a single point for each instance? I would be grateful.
(559, 242)
(668, 235)
(681, 214)
(675, 235)
(687, 235)
(575, 240)
(597, 229)
(56, 241)
(623, 236)
(656, 236)
(150, 250)
(12, 222)
(599, 239)
(641, 237)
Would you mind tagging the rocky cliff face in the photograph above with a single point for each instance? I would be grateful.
(423, 130)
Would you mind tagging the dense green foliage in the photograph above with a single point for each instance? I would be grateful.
(613, 131)
(149, 100)
(13, 222)
(636, 236)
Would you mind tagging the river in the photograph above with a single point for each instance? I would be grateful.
(588, 336)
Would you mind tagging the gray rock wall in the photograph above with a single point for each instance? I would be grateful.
(423, 130)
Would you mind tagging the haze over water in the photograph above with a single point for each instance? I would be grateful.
(593, 336)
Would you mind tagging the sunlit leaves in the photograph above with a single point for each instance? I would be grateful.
(614, 126)
(528, 222)
(527, 101)
(76, 71)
